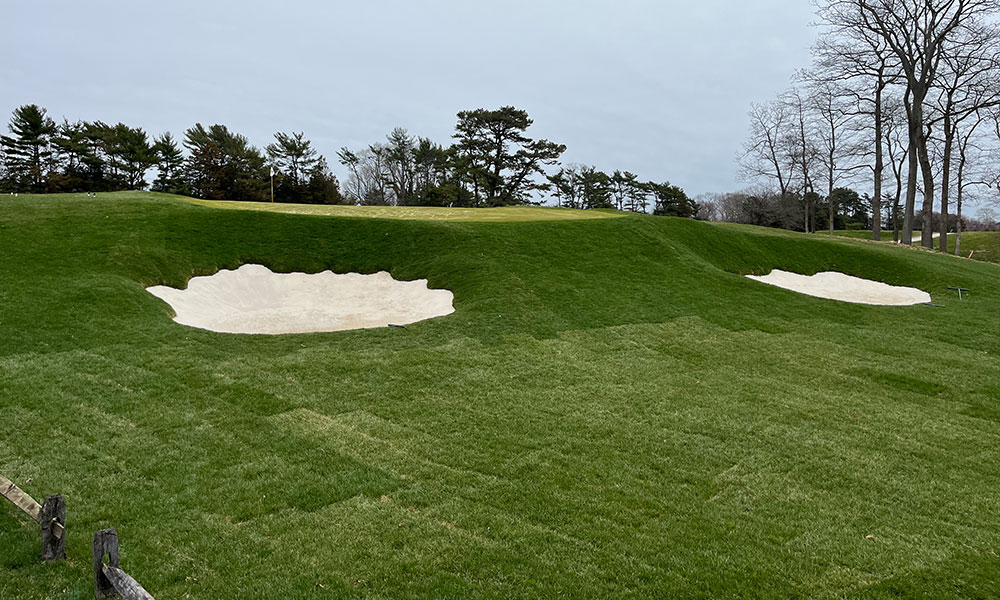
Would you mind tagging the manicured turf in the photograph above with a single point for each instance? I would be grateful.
(508, 214)
(613, 411)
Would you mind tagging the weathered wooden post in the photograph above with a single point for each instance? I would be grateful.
(53, 522)
(109, 580)
(105, 543)
(51, 517)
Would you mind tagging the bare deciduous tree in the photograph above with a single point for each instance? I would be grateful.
(764, 154)
(863, 63)
(919, 34)
(967, 86)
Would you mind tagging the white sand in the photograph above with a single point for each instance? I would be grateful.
(252, 299)
(838, 286)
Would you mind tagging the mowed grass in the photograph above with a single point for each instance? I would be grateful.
(507, 214)
(612, 411)
(982, 245)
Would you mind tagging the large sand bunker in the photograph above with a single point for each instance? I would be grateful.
(838, 286)
(252, 299)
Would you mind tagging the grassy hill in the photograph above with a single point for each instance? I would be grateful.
(612, 411)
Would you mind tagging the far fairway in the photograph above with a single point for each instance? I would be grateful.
(509, 214)
(982, 245)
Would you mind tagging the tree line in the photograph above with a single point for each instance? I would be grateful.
(902, 98)
(491, 162)
(43, 156)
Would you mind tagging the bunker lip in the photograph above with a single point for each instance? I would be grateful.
(254, 300)
(832, 285)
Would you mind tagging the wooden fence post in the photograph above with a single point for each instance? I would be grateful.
(53, 522)
(105, 543)
(51, 517)
(109, 580)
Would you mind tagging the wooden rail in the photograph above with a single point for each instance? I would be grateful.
(51, 516)
(21, 500)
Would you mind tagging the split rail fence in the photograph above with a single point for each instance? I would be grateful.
(109, 580)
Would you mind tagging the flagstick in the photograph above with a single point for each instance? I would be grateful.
(272, 185)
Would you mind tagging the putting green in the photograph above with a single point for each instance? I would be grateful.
(507, 214)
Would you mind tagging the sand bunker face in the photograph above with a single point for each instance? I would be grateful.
(252, 299)
(838, 286)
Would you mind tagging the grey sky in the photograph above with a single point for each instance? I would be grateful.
(660, 88)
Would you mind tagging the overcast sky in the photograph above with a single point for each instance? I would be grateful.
(658, 87)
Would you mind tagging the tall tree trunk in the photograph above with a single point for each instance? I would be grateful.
(911, 193)
(829, 195)
(911, 175)
(927, 211)
(949, 139)
(958, 225)
(879, 165)
(810, 218)
(958, 202)
(895, 211)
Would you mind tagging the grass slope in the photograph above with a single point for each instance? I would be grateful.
(613, 411)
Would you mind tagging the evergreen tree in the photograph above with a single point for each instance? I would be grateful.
(498, 158)
(293, 156)
(224, 165)
(133, 154)
(671, 201)
(628, 192)
(322, 186)
(564, 185)
(205, 173)
(595, 188)
(400, 166)
(74, 160)
(169, 164)
(6, 186)
(582, 187)
(28, 150)
(106, 148)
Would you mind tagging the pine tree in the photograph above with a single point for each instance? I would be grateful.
(293, 156)
(671, 201)
(499, 159)
(28, 151)
(169, 164)
(224, 165)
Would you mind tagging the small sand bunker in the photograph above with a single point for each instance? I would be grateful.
(253, 299)
(838, 286)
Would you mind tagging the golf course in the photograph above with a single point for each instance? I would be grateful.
(613, 410)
